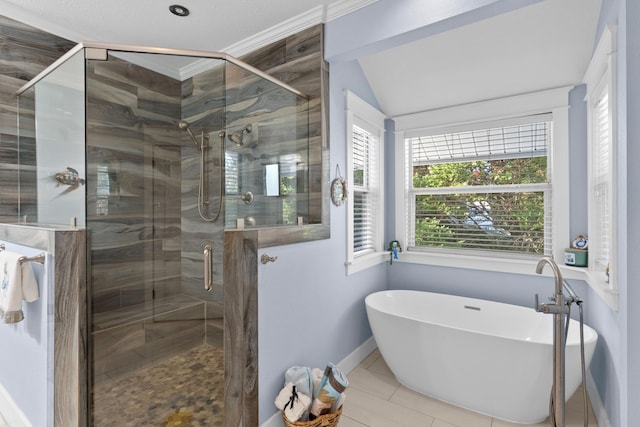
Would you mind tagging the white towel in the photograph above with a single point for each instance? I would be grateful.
(338, 403)
(17, 283)
(316, 379)
(293, 403)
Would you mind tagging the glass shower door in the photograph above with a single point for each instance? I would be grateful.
(154, 170)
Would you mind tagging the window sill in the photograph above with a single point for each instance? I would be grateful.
(365, 261)
(510, 265)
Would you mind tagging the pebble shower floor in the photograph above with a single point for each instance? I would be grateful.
(186, 390)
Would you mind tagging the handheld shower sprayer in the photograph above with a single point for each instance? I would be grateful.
(184, 125)
(203, 187)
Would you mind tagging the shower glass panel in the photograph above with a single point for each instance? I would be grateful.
(155, 144)
(52, 171)
(156, 151)
(267, 131)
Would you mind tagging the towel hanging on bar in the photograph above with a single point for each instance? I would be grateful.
(17, 284)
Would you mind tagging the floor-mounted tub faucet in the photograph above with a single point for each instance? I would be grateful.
(558, 308)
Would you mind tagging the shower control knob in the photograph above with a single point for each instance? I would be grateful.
(247, 198)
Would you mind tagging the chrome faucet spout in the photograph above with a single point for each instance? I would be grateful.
(556, 272)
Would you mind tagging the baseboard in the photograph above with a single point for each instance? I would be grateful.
(346, 365)
(10, 411)
(353, 359)
(596, 403)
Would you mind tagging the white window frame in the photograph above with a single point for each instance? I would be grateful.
(600, 79)
(365, 116)
(554, 101)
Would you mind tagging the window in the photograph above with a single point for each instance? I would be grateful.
(600, 80)
(483, 189)
(365, 190)
(485, 185)
(365, 203)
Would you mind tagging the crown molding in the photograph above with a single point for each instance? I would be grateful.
(340, 8)
(277, 32)
(317, 15)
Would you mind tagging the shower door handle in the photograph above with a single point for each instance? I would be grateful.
(208, 268)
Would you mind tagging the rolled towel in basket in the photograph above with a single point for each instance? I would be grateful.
(331, 387)
(338, 403)
(300, 376)
(293, 403)
(316, 377)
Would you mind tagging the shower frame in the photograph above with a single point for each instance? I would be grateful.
(99, 50)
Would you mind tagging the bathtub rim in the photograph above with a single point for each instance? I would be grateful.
(590, 334)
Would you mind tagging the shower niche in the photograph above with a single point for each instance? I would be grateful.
(157, 153)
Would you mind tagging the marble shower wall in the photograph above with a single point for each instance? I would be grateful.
(24, 52)
(203, 107)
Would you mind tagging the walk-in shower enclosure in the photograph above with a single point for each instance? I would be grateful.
(156, 152)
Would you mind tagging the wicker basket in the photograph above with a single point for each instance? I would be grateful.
(326, 420)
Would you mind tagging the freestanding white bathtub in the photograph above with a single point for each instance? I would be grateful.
(492, 358)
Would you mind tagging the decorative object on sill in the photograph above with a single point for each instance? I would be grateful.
(394, 249)
(580, 242)
(338, 188)
(578, 254)
(70, 177)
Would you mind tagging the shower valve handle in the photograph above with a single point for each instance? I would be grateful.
(537, 303)
(549, 308)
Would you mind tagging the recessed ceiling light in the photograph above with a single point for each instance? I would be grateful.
(178, 10)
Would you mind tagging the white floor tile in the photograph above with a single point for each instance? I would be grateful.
(375, 399)
(373, 411)
(348, 422)
(379, 366)
(379, 385)
(439, 410)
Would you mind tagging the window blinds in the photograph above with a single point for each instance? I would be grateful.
(602, 181)
(507, 142)
(482, 189)
(364, 183)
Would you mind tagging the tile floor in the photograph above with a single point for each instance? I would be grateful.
(376, 399)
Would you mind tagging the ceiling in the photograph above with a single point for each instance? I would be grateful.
(542, 46)
(212, 25)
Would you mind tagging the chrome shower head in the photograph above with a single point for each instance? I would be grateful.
(184, 125)
(238, 136)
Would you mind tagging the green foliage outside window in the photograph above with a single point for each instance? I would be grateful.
(486, 220)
